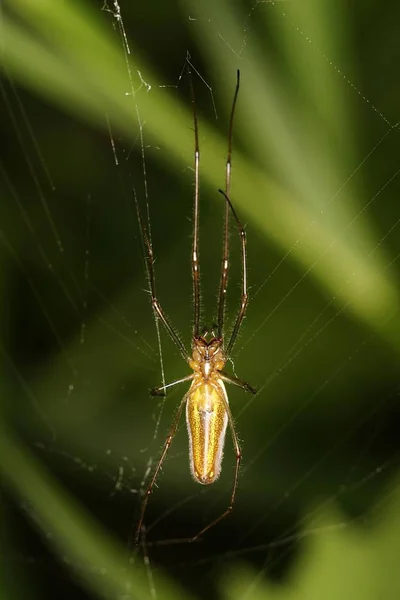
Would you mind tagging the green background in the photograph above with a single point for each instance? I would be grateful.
(315, 180)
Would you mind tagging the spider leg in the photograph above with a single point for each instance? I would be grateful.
(195, 248)
(236, 381)
(158, 311)
(225, 246)
(245, 297)
(160, 391)
(167, 444)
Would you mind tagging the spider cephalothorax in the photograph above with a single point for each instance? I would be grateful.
(207, 357)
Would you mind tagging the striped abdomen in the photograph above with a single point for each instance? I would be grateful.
(206, 419)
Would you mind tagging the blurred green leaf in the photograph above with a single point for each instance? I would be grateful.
(298, 147)
(81, 543)
(338, 560)
(84, 70)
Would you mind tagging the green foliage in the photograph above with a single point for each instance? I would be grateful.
(302, 184)
(84, 71)
(338, 561)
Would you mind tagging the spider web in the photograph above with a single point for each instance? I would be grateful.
(81, 350)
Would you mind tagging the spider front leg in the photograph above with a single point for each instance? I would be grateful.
(156, 306)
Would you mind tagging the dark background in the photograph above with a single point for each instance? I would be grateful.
(79, 343)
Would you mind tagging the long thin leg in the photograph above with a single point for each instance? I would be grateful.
(167, 444)
(225, 248)
(149, 257)
(236, 381)
(235, 481)
(244, 297)
(195, 249)
(160, 391)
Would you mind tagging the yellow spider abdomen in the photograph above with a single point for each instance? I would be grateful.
(206, 419)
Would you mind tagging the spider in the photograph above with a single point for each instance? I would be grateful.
(206, 401)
